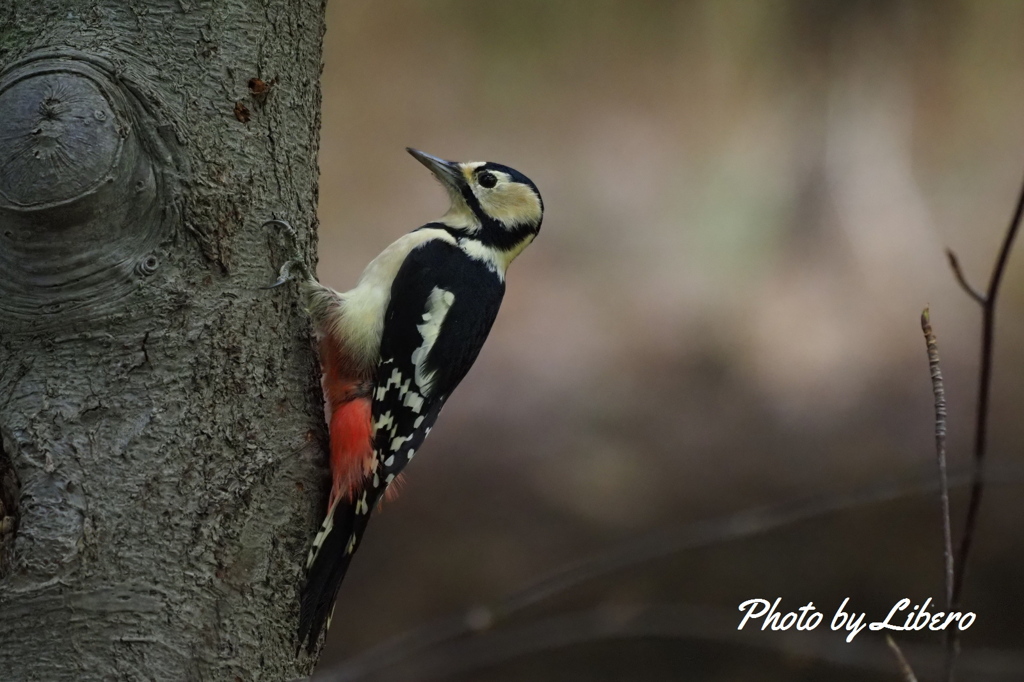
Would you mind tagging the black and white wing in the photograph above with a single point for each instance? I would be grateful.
(443, 304)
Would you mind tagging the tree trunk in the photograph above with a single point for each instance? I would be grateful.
(161, 418)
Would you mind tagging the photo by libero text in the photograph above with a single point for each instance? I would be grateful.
(903, 616)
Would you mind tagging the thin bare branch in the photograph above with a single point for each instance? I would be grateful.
(954, 264)
(940, 450)
(901, 660)
(981, 419)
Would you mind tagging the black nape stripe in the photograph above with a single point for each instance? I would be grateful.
(492, 233)
(504, 238)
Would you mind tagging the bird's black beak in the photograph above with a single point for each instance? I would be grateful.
(448, 172)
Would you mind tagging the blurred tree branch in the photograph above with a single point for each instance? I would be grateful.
(444, 632)
(458, 658)
(901, 660)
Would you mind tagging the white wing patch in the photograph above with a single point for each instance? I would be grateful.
(438, 304)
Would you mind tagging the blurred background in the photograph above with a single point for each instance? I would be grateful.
(746, 210)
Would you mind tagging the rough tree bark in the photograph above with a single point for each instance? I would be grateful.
(160, 416)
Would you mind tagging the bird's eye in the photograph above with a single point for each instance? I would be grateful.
(487, 180)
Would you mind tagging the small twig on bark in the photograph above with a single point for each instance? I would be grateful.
(901, 660)
(988, 324)
(940, 450)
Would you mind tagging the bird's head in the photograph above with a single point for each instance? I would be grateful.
(495, 204)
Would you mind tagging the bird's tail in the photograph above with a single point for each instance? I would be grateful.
(329, 559)
(348, 512)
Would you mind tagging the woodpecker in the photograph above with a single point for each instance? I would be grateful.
(393, 349)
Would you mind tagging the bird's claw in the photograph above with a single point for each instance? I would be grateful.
(288, 270)
(287, 273)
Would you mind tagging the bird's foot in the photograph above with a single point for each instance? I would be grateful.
(288, 273)
(295, 268)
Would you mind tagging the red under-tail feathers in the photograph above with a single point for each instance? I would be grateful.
(351, 427)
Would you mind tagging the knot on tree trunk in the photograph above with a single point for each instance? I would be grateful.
(88, 183)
